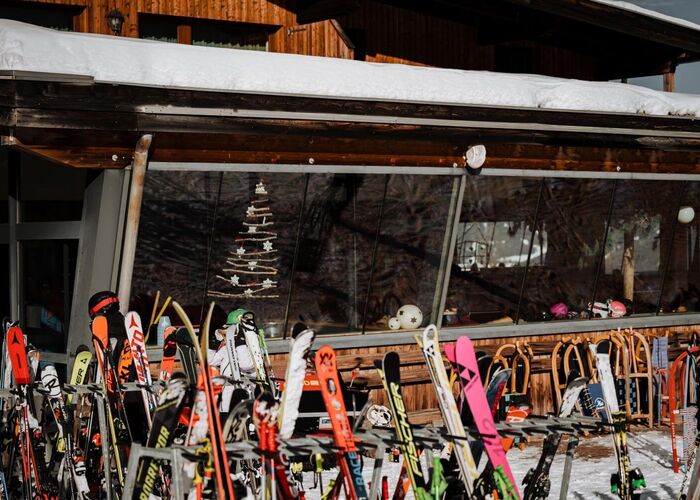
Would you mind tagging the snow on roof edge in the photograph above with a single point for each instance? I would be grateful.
(131, 61)
(630, 7)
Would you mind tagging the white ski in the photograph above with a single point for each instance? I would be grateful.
(294, 382)
(448, 406)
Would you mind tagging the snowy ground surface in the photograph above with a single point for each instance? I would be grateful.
(593, 464)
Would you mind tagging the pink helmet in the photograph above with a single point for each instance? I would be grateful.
(617, 309)
(559, 310)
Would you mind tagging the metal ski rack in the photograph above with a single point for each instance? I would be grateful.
(173, 454)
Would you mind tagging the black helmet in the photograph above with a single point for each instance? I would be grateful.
(105, 303)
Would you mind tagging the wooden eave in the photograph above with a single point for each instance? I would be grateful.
(95, 125)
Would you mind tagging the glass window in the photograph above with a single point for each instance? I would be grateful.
(335, 252)
(640, 227)
(681, 285)
(572, 218)
(493, 241)
(192, 227)
(231, 35)
(4, 183)
(47, 278)
(5, 290)
(409, 248)
(49, 192)
(159, 28)
(59, 17)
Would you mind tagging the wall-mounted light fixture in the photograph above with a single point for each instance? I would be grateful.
(475, 157)
(116, 21)
(686, 215)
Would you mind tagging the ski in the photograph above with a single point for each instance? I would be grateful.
(223, 475)
(170, 405)
(294, 381)
(388, 370)
(349, 459)
(626, 483)
(537, 482)
(72, 457)
(430, 346)
(474, 395)
(134, 332)
(167, 363)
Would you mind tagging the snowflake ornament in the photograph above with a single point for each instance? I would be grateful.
(267, 283)
(260, 188)
(235, 280)
(250, 211)
(252, 229)
(252, 264)
(267, 246)
(248, 292)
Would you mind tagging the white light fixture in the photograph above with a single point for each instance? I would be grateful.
(686, 215)
(475, 158)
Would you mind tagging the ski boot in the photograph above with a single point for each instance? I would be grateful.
(637, 483)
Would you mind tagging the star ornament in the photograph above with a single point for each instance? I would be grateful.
(252, 264)
(248, 292)
(235, 280)
(252, 229)
(267, 246)
(267, 283)
(250, 211)
(240, 251)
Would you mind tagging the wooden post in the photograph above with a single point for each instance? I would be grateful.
(184, 34)
(670, 77)
(628, 264)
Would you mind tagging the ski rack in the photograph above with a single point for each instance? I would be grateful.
(173, 454)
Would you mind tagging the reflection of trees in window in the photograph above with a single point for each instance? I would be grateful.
(639, 235)
(498, 244)
(493, 243)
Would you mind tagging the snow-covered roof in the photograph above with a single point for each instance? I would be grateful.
(120, 60)
(630, 7)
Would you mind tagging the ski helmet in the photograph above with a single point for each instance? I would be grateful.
(234, 317)
(105, 302)
(617, 309)
(559, 310)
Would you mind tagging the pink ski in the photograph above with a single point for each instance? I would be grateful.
(474, 394)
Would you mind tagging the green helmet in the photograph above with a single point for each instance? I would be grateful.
(234, 317)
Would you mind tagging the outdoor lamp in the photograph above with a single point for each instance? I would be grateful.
(686, 215)
(116, 21)
(475, 158)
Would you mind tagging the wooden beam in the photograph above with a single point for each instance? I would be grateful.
(311, 11)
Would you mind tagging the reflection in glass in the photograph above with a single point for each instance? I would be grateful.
(339, 224)
(48, 274)
(680, 291)
(4, 183)
(491, 252)
(573, 213)
(189, 226)
(409, 247)
(640, 227)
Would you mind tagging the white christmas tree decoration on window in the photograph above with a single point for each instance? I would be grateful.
(251, 267)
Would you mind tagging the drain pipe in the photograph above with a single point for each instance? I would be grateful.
(133, 215)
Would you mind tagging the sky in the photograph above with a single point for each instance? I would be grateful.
(687, 75)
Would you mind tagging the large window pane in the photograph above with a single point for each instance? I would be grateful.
(5, 290)
(191, 228)
(339, 227)
(4, 172)
(48, 275)
(681, 286)
(491, 252)
(48, 192)
(410, 247)
(571, 221)
(638, 240)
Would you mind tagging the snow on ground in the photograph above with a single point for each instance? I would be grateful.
(590, 476)
(25, 47)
